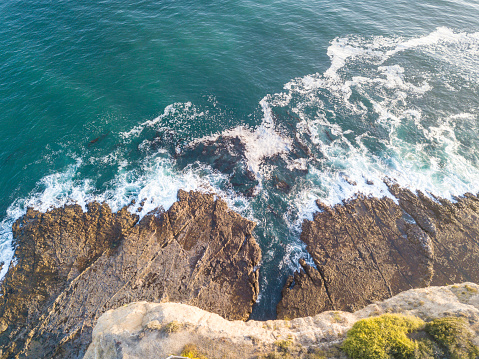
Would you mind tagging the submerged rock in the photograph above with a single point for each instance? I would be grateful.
(150, 330)
(73, 266)
(369, 249)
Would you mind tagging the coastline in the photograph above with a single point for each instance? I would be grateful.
(201, 253)
(369, 249)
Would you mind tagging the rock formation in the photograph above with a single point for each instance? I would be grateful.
(369, 249)
(149, 330)
(73, 266)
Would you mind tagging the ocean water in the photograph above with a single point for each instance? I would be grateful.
(271, 105)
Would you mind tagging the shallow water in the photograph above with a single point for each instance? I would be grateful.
(271, 105)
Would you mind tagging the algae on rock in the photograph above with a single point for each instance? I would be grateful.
(190, 351)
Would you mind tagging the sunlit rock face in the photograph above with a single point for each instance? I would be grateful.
(369, 249)
(73, 266)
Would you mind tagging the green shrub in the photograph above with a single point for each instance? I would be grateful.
(425, 349)
(454, 336)
(390, 336)
(316, 354)
(382, 337)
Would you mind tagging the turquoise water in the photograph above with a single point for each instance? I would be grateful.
(272, 105)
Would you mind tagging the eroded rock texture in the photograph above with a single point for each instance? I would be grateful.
(369, 249)
(74, 266)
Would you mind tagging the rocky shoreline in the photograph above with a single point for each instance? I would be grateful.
(369, 249)
(73, 266)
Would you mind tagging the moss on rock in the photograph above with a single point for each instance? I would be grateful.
(190, 351)
(382, 337)
(454, 336)
(401, 337)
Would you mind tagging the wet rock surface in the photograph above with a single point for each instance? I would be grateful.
(73, 266)
(226, 155)
(369, 249)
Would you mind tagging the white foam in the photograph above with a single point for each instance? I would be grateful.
(463, 116)
(179, 117)
(347, 168)
(6, 239)
(54, 190)
(260, 143)
(156, 182)
(135, 131)
(342, 50)
(442, 35)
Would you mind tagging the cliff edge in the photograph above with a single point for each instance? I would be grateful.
(149, 330)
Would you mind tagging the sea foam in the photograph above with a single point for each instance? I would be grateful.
(370, 117)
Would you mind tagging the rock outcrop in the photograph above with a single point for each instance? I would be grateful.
(369, 249)
(73, 266)
(149, 330)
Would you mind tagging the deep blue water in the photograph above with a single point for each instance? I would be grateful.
(271, 105)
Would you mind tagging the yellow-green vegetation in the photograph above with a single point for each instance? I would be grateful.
(284, 345)
(276, 356)
(336, 317)
(382, 337)
(172, 327)
(316, 354)
(287, 349)
(285, 355)
(397, 336)
(190, 351)
(454, 337)
(470, 289)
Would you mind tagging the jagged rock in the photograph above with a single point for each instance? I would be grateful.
(51, 249)
(74, 266)
(149, 330)
(308, 295)
(369, 249)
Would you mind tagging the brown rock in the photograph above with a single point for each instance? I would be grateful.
(51, 249)
(369, 249)
(199, 253)
(303, 293)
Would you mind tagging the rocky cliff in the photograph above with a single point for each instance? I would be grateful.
(149, 330)
(369, 249)
(74, 266)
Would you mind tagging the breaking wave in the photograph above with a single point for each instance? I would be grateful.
(387, 109)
